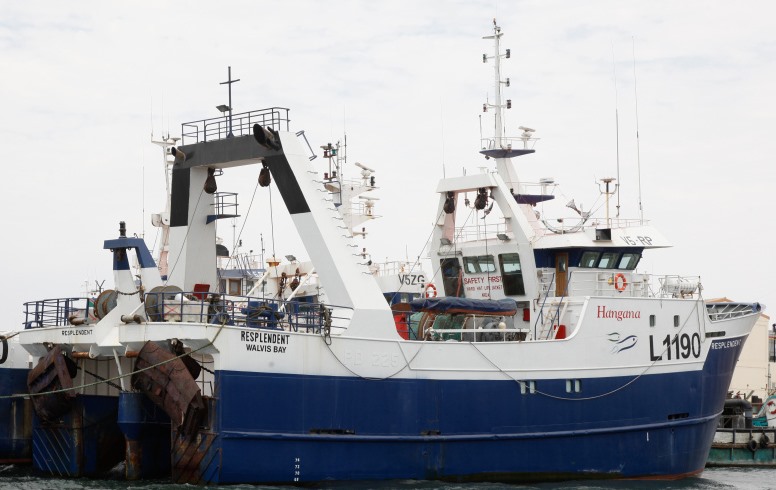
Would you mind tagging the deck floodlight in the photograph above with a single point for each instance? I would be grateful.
(445, 241)
(291, 258)
(503, 237)
(223, 107)
(484, 58)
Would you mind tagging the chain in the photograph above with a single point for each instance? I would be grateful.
(326, 315)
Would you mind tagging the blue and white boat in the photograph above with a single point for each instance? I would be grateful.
(546, 355)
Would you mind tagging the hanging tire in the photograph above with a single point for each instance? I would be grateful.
(752, 445)
(764, 440)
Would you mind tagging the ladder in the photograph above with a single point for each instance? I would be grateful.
(552, 314)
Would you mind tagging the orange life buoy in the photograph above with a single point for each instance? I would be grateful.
(620, 282)
(431, 291)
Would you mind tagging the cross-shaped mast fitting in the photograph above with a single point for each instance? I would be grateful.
(229, 82)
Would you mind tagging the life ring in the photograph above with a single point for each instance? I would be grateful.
(620, 282)
(771, 407)
(431, 291)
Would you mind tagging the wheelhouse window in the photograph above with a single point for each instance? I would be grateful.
(480, 264)
(511, 274)
(629, 261)
(589, 259)
(608, 260)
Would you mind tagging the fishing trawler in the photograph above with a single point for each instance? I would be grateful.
(540, 353)
(744, 438)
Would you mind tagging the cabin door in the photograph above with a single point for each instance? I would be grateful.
(452, 277)
(561, 273)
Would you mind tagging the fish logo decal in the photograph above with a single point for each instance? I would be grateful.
(624, 344)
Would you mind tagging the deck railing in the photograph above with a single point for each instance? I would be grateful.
(726, 311)
(241, 124)
(198, 307)
(480, 232)
(57, 312)
(621, 283)
(245, 311)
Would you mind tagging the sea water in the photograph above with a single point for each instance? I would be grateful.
(713, 478)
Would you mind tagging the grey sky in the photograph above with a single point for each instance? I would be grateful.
(83, 87)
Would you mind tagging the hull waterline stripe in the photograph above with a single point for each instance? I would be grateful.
(229, 434)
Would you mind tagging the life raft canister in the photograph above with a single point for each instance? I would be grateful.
(620, 283)
(431, 290)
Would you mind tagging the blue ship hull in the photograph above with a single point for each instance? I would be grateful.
(86, 441)
(273, 428)
(15, 418)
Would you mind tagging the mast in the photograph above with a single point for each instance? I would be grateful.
(162, 220)
(499, 123)
(638, 150)
(229, 83)
(503, 161)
